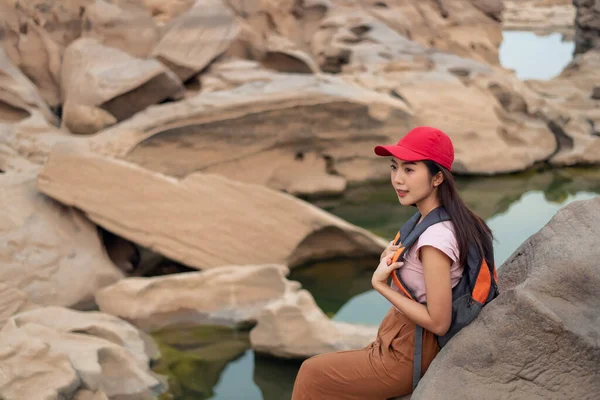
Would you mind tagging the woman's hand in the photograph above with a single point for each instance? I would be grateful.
(389, 250)
(383, 271)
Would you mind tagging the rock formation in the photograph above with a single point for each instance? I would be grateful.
(203, 221)
(539, 338)
(587, 25)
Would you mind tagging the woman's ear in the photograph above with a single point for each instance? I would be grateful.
(438, 179)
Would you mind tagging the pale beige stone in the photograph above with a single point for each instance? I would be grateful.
(98, 364)
(89, 395)
(568, 102)
(31, 370)
(295, 327)
(192, 40)
(12, 301)
(290, 129)
(98, 324)
(203, 221)
(49, 252)
(18, 95)
(35, 35)
(541, 17)
(128, 28)
(227, 295)
(94, 75)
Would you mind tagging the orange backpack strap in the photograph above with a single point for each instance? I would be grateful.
(410, 233)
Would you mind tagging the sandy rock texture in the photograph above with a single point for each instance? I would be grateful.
(51, 254)
(54, 352)
(538, 339)
(229, 295)
(204, 220)
(543, 17)
(587, 22)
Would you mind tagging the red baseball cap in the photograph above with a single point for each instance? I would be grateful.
(422, 143)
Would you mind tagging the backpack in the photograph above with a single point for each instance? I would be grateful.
(476, 288)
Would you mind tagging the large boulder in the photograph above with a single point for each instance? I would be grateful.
(102, 85)
(294, 133)
(53, 351)
(203, 221)
(192, 40)
(129, 28)
(228, 295)
(539, 339)
(49, 252)
(295, 327)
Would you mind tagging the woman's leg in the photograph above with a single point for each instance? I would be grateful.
(380, 371)
(345, 375)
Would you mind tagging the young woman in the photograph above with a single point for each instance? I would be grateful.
(420, 167)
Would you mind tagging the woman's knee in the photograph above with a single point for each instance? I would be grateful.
(308, 366)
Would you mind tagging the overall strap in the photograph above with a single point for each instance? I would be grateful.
(408, 235)
(418, 355)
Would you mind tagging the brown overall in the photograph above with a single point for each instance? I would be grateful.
(382, 370)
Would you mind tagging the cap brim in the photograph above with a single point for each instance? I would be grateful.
(400, 152)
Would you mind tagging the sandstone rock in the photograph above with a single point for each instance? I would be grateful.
(35, 35)
(97, 347)
(97, 76)
(192, 40)
(587, 25)
(32, 371)
(251, 129)
(33, 138)
(228, 295)
(165, 10)
(492, 8)
(573, 114)
(89, 395)
(458, 27)
(230, 73)
(504, 141)
(12, 301)
(128, 28)
(541, 17)
(49, 252)
(539, 338)
(295, 327)
(352, 40)
(18, 96)
(203, 221)
(97, 324)
(283, 55)
(11, 161)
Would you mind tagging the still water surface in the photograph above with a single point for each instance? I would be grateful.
(216, 363)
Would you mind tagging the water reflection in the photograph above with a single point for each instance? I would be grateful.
(194, 357)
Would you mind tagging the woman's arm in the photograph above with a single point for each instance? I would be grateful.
(436, 316)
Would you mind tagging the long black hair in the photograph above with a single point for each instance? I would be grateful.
(468, 226)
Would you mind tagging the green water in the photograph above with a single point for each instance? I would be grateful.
(216, 363)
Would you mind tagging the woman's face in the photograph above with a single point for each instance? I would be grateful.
(411, 180)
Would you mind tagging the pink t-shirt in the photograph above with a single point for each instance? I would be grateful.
(442, 237)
